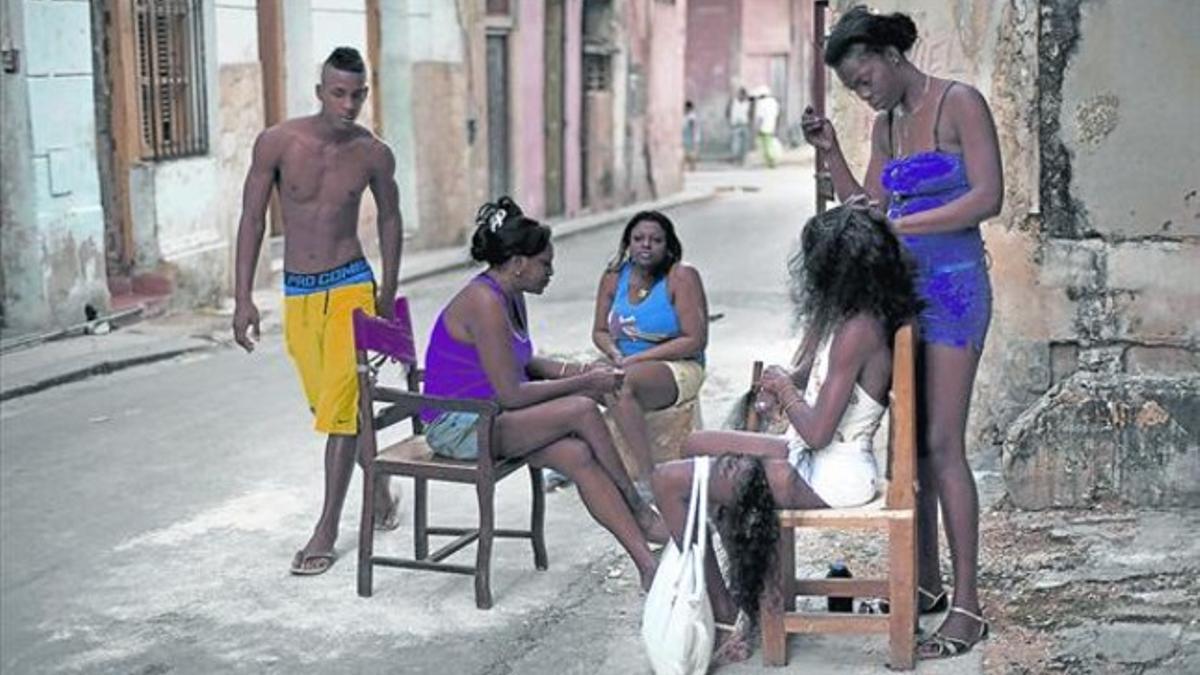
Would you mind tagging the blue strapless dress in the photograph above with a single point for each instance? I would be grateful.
(951, 266)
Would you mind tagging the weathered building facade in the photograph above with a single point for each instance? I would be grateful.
(1090, 380)
(746, 43)
(128, 126)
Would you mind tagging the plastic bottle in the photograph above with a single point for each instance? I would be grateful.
(838, 570)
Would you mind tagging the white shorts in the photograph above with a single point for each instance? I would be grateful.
(842, 475)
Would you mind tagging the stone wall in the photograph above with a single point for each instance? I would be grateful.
(1092, 252)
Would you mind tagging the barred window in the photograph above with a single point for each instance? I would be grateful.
(172, 107)
(597, 72)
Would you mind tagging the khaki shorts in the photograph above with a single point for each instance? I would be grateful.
(689, 375)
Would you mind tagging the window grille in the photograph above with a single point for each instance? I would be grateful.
(172, 107)
(597, 72)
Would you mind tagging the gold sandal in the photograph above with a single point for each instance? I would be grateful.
(944, 647)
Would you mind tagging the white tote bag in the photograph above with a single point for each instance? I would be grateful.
(677, 623)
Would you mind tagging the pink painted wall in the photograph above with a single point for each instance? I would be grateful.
(665, 93)
(573, 86)
(528, 113)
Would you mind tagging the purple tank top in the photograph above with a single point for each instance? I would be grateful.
(453, 369)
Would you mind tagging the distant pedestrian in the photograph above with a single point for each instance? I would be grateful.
(766, 118)
(319, 166)
(739, 126)
(691, 136)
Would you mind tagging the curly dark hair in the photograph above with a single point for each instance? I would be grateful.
(875, 32)
(674, 246)
(750, 532)
(849, 262)
(502, 231)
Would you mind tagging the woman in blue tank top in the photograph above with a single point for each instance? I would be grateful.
(652, 321)
(935, 164)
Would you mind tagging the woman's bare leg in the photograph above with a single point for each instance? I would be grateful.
(528, 429)
(948, 375)
(648, 386)
(573, 458)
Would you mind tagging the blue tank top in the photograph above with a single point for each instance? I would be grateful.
(651, 321)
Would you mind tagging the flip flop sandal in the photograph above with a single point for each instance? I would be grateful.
(937, 603)
(302, 558)
(390, 521)
(735, 648)
(939, 646)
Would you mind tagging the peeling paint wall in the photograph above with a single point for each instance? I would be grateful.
(653, 69)
(1093, 257)
(53, 223)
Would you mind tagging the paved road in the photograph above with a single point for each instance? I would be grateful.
(148, 516)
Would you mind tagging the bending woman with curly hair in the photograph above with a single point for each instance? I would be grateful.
(852, 286)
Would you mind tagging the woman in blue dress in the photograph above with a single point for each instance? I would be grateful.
(935, 164)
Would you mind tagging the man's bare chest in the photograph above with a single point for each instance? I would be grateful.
(325, 175)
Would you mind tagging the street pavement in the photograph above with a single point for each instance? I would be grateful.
(148, 516)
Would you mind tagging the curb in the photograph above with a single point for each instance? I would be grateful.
(102, 368)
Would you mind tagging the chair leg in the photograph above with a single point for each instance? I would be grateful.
(420, 518)
(787, 559)
(775, 600)
(902, 594)
(366, 535)
(537, 525)
(485, 491)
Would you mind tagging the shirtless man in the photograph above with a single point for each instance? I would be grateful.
(320, 165)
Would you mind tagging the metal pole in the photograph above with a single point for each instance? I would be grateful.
(824, 182)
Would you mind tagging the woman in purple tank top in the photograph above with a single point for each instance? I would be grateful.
(481, 348)
(935, 164)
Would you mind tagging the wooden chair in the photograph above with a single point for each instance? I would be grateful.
(893, 514)
(412, 457)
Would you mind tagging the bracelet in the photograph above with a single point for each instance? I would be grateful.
(791, 403)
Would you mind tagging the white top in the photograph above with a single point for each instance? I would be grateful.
(739, 111)
(842, 473)
(766, 114)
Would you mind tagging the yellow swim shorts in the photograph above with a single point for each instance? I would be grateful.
(320, 340)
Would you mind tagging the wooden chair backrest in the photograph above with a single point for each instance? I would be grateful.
(902, 425)
(392, 339)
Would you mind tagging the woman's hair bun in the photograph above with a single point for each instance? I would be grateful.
(502, 231)
(861, 25)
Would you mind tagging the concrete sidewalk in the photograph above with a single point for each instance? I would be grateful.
(44, 364)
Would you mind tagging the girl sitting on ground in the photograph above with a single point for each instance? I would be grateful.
(852, 286)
